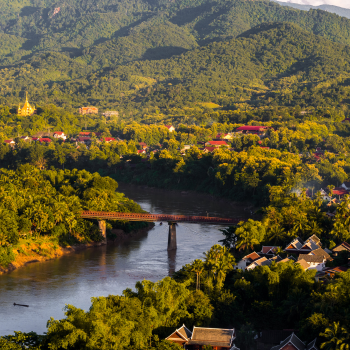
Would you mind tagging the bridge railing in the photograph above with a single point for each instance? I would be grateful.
(155, 217)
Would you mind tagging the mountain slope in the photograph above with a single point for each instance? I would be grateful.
(77, 26)
(276, 64)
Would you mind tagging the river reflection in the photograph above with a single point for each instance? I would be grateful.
(75, 278)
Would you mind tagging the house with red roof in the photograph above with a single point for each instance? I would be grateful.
(340, 191)
(25, 138)
(10, 142)
(35, 138)
(253, 129)
(141, 151)
(247, 260)
(267, 250)
(330, 272)
(170, 128)
(59, 135)
(84, 133)
(109, 139)
(216, 144)
(143, 145)
(45, 140)
(209, 149)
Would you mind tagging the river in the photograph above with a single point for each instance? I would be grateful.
(75, 278)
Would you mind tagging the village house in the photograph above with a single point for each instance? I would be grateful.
(269, 338)
(330, 273)
(250, 129)
(292, 342)
(59, 135)
(88, 110)
(143, 145)
(109, 139)
(340, 248)
(346, 185)
(262, 261)
(269, 250)
(170, 128)
(247, 260)
(26, 138)
(217, 338)
(340, 191)
(216, 144)
(298, 246)
(314, 261)
(223, 136)
(141, 151)
(208, 149)
(44, 140)
(110, 114)
(10, 142)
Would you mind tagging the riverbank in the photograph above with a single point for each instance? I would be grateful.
(46, 248)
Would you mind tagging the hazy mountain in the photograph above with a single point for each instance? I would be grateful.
(329, 8)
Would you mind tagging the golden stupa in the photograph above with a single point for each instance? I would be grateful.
(27, 109)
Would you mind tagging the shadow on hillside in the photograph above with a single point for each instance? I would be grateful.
(159, 53)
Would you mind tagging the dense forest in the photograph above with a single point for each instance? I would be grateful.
(150, 58)
(37, 203)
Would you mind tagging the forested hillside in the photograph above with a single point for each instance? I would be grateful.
(145, 57)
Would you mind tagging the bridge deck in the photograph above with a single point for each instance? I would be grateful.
(155, 217)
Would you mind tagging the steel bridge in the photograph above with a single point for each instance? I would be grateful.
(101, 216)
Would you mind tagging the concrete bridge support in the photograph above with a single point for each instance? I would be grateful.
(102, 227)
(172, 236)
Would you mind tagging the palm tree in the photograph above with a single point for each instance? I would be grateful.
(277, 233)
(198, 268)
(337, 338)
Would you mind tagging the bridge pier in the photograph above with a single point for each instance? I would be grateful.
(102, 227)
(172, 236)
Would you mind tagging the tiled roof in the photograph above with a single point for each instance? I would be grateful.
(223, 143)
(252, 256)
(297, 243)
(321, 252)
(315, 239)
(311, 258)
(303, 264)
(185, 332)
(342, 246)
(58, 133)
(273, 336)
(267, 249)
(293, 339)
(212, 336)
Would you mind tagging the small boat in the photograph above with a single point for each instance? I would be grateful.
(14, 304)
(161, 224)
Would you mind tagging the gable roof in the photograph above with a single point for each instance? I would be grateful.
(315, 239)
(183, 332)
(252, 256)
(268, 249)
(212, 336)
(295, 244)
(58, 133)
(312, 345)
(342, 246)
(292, 339)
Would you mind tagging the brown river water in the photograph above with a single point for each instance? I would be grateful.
(75, 278)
